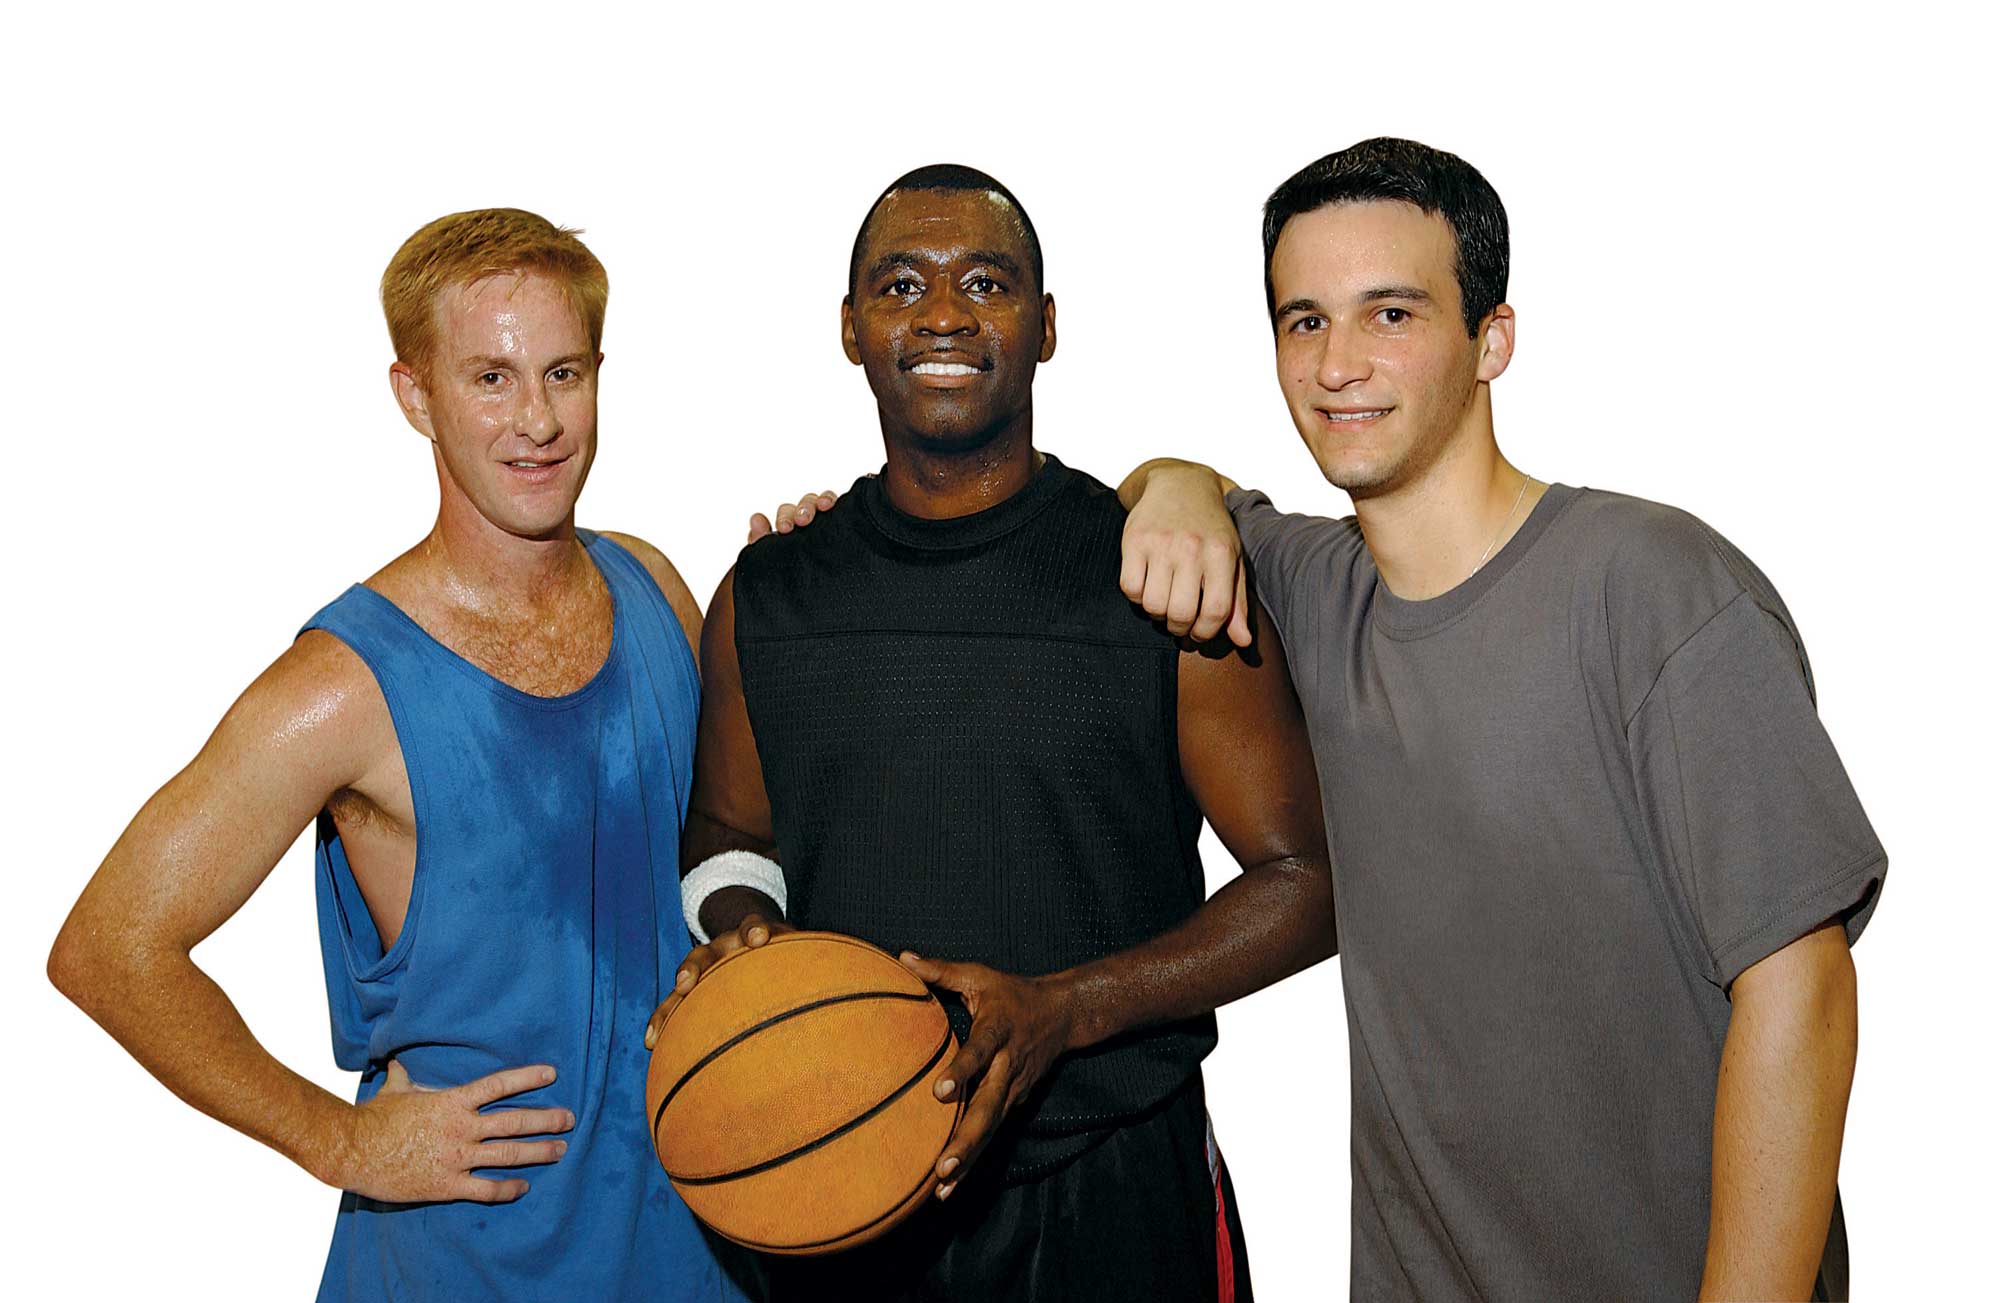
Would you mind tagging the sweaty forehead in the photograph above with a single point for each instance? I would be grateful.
(510, 313)
(940, 223)
(1350, 248)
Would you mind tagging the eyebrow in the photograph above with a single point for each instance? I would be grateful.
(995, 258)
(888, 262)
(1410, 292)
(497, 363)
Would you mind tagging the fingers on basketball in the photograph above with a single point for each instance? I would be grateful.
(975, 1126)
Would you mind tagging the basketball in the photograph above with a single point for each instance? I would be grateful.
(791, 1097)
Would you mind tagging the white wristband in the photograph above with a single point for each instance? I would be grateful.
(729, 869)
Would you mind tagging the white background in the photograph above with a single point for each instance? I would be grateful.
(1753, 262)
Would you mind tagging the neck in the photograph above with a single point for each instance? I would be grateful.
(934, 484)
(480, 566)
(1430, 534)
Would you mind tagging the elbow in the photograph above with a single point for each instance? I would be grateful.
(69, 964)
(84, 965)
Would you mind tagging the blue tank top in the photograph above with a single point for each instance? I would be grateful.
(543, 927)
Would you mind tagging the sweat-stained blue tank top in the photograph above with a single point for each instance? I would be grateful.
(544, 925)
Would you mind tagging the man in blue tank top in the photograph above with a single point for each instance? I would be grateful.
(494, 736)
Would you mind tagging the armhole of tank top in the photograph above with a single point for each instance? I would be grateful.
(397, 955)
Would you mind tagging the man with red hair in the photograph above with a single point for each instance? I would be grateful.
(493, 735)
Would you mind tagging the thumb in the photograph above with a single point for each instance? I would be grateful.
(938, 972)
(395, 1079)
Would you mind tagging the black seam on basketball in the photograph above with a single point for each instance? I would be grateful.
(770, 1022)
(830, 1136)
(862, 1229)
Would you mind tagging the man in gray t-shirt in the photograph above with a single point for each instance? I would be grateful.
(1596, 862)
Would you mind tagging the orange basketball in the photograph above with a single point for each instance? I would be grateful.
(791, 1094)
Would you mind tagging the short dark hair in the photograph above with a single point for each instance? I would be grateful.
(1403, 170)
(946, 176)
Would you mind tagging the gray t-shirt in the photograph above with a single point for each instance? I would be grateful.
(1568, 802)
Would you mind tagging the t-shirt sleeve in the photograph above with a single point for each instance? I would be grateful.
(1282, 550)
(1754, 822)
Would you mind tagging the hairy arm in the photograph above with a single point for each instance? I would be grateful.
(311, 725)
(1780, 1110)
(1183, 561)
(1247, 762)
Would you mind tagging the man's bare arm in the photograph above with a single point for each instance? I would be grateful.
(1780, 1111)
(310, 726)
(728, 808)
(1248, 763)
(1183, 561)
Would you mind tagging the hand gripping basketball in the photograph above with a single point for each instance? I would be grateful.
(752, 932)
(412, 1144)
(791, 1093)
(1020, 1026)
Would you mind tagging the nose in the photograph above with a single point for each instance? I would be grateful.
(537, 419)
(945, 313)
(1343, 360)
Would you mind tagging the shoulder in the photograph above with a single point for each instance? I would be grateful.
(317, 707)
(1660, 575)
(672, 587)
(1256, 515)
(1651, 556)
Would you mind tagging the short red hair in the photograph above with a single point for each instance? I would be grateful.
(465, 248)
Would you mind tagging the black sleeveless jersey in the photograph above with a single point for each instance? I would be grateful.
(968, 737)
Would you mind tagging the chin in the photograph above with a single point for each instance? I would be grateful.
(950, 436)
(1357, 475)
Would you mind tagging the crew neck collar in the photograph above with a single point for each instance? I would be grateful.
(965, 531)
(1403, 617)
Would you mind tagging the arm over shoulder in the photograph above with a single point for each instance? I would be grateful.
(1294, 559)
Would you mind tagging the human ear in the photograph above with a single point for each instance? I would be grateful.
(1496, 342)
(411, 398)
(847, 344)
(1048, 326)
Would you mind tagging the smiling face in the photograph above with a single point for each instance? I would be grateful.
(1372, 351)
(510, 402)
(946, 319)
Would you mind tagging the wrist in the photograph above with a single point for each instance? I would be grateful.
(1066, 995)
(1192, 476)
(725, 908)
(331, 1153)
(1134, 485)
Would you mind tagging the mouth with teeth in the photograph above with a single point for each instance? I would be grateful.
(535, 472)
(946, 370)
(1358, 416)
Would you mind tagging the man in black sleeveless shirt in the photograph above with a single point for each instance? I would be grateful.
(938, 711)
